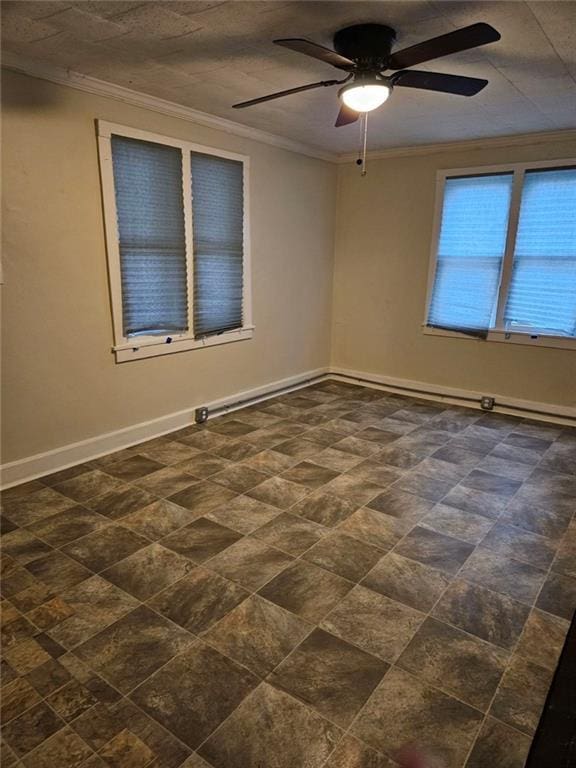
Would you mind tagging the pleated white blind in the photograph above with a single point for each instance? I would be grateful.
(218, 226)
(542, 292)
(150, 213)
(471, 247)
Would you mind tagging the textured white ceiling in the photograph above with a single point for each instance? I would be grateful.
(209, 55)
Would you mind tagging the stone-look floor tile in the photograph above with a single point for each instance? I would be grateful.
(299, 736)
(503, 574)
(243, 514)
(330, 675)
(250, 563)
(52, 648)
(194, 693)
(423, 441)
(238, 451)
(489, 505)
(158, 519)
(65, 749)
(404, 710)
(552, 484)
(240, 478)
(26, 656)
(517, 454)
(15, 578)
(122, 654)
(350, 753)
(407, 581)
(374, 623)
(558, 596)
(232, 428)
(126, 749)
(374, 471)
(16, 629)
(398, 457)
(24, 489)
(270, 462)
(203, 497)
(17, 696)
(290, 534)
(376, 435)
(306, 590)
(204, 465)
(537, 517)
(148, 571)
(435, 549)
(258, 634)
(23, 546)
(32, 597)
(201, 540)
(457, 455)
(339, 461)
(297, 449)
(118, 504)
(565, 560)
(497, 465)
(278, 492)
(29, 730)
(401, 505)
(166, 481)
(521, 695)
(357, 446)
(374, 528)
(50, 613)
(204, 440)
(170, 453)
(96, 604)
(343, 555)
(58, 571)
(88, 485)
(465, 526)
(509, 541)
(486, 481)
(48, 677)
(64, 527)
(327, 509)
(353, 489)
(310, 475)
(199, 600)
(32, 507)
(105, 547)
(491, 616)
(430, 488)
(499, 746)
(444, 471)
(455, 662)
(133, 468)
(71, 700)
(542, 639)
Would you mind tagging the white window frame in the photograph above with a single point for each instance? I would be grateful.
(138, 347)
(498, 333)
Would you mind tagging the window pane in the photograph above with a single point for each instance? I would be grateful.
(542, 294)
(470, 251)
(218, 225)
(149, 205)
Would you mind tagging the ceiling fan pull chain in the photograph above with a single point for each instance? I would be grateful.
(365, 136)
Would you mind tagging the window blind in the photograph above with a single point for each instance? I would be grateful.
(542, 292)
(150, 213)
(217, 215)
(471, 247)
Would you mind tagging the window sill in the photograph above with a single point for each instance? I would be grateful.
(526, 339)
(142, 348)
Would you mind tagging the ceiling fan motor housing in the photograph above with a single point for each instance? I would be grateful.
(369, 45)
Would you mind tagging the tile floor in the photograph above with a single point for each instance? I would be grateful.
(312, 581)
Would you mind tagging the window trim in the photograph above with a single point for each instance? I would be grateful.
(498, 334)
(136, 348)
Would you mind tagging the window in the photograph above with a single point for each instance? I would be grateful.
(504, 260)
(177, 241)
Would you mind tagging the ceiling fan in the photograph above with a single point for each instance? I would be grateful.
(364, 52)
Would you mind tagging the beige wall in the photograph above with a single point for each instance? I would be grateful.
(383, 233)
(60, 381)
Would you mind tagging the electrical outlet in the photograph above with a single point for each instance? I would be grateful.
(201, 415)
(487, 403)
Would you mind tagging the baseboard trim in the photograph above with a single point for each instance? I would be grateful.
(557, 414)
(32, 467)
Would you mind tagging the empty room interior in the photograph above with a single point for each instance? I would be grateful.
(288, 460)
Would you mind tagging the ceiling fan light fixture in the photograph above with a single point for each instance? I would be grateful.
(365, 95)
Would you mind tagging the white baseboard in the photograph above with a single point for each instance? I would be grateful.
(23, 470)
(558, 414)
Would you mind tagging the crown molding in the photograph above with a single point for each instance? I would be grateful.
(514, 140)
(33, 68)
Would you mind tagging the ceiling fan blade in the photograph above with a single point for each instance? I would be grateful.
(289, 92)
(346, 116)
(459, 40)
(438, 81)
(308, 48)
